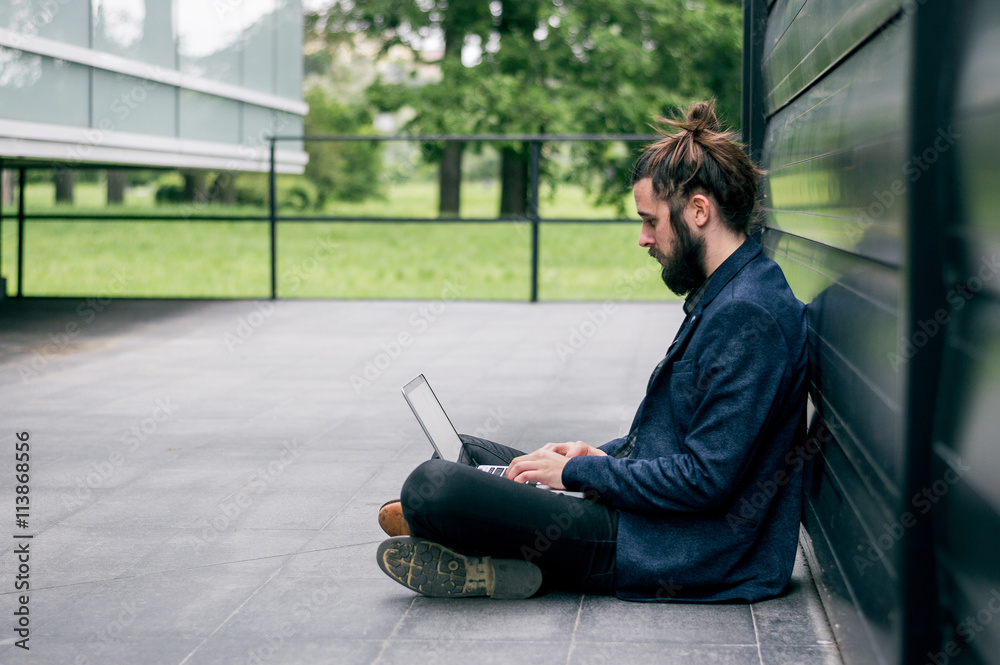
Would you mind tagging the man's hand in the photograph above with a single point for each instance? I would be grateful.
(546, 464)
(574, 449)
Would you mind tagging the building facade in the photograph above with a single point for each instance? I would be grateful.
(197, 84)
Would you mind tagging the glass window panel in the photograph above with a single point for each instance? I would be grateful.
(259, 44)
(260, 123)
(209, 36)
(65, 21)
(137, 29)
(209, 118)
(289, 50)
(127, 104)
(294, 128)
(40, 89)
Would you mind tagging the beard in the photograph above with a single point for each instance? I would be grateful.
(683, 270)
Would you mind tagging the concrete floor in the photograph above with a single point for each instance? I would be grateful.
(205, 475)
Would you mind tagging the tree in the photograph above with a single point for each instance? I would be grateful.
(408, 24)
(116, 186)
(194, 186)
(7, 186)
(64, 180)
(632, 59)
(554, 66)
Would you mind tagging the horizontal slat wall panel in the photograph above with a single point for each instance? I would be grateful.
(850, 488)
(830, 155)
(782, 13)
(967, 432)
(854, 335)
(836, 157)
(858, 641)
(867, 622)
(819, 34)
(844, 162)
(836, 150)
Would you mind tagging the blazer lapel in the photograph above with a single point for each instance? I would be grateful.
(679, 341)
(742, 256)
(675, 347)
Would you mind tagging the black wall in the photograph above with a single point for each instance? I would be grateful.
(878, 122)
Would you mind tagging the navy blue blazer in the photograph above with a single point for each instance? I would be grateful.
(709, 480)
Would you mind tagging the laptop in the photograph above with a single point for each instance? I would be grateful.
(442, 433)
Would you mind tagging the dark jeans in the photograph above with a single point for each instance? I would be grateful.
(571, 539)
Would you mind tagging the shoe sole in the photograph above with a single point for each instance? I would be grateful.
(434, 570)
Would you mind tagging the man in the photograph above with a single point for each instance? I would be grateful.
(701, 500)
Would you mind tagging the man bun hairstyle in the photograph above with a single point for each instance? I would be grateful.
(696, 156)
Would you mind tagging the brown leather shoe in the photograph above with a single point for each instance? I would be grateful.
(390, 518)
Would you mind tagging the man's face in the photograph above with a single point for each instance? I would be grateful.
(669, 241)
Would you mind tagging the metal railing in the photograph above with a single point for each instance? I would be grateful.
(273, 218)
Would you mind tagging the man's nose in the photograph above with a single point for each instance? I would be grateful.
(645, 237)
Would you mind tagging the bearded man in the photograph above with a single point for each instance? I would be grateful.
(701, 500)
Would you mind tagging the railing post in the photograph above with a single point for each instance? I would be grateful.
(273, 199)
(753, 112)
(533, 215)
(20, 232)
(752, 102)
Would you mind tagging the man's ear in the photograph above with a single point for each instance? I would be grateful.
(699, 207)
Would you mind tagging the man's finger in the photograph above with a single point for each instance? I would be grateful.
(517, 466)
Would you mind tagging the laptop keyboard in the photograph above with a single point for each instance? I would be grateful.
(495, 470)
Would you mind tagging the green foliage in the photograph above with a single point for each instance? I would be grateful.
(343, 170)
(556, 66)
(251, 192)
(169, 188)
(139, 177)
(253, 189)
(88, 175)
(169, 193)
(317, 63)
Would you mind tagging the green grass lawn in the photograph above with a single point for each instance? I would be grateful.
(230, 259)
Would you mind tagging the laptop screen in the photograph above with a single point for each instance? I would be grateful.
(432, 418)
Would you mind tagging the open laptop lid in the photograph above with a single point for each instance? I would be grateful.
(432, 418)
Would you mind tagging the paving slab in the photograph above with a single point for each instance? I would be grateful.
(205, 475)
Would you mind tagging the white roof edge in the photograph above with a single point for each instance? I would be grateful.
(83, 145)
